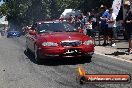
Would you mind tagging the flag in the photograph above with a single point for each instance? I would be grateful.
(116, 6)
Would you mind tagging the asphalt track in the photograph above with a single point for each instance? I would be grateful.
(19, 70)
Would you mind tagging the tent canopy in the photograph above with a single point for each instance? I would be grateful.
(68, 12)
(3, 20)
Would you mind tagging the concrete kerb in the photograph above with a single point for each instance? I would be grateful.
(108, 53)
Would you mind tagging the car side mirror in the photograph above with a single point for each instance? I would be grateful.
(32, 32)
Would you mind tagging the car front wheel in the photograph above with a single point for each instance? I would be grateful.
(37, 55)
(88, 58)
(8, 36)
(27, 50)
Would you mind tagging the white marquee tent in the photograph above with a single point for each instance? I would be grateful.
(68, 12)
(3, 20)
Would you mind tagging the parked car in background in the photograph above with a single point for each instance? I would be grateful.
(13, 33)
(54, 38)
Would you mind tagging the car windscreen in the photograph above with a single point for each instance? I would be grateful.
(55, 27)
(14, 31)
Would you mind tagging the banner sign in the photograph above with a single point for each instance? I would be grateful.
(83, 78)
(116, 6)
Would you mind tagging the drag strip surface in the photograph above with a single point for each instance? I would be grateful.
(19, 70)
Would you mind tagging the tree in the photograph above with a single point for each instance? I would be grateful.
(3, 9)
(24, 12)
(108, 3)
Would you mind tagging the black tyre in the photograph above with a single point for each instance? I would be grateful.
(82, 80)
(88, 58)
(37, 55)
(8, 36)
(2, 33)
(27, 50)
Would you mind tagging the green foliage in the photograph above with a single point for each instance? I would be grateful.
(3, 9)
(108, 3)
(24, 12)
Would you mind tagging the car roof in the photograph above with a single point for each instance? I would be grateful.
(13, 31)
(53, 21)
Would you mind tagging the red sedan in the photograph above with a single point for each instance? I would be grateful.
(54, 38)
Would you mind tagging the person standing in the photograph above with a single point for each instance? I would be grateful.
(77, 22)
(91, 25)
(83, 21)
(69, 19)
(104, 26)
(98, 15)
(128, 26)
(112, 27)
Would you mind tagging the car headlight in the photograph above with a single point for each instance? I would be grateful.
(49, 44)
(88, 42)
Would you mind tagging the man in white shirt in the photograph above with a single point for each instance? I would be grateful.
(112, 27)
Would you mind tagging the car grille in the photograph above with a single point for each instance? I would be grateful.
(71, 43)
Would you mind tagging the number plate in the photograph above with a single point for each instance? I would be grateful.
(14, 33)
(71, 51)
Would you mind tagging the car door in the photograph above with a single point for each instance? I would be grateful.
(30, 40)
(28, 43)
(33, 38)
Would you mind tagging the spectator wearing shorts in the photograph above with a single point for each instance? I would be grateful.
(89, 26)
(98, 20)
(92, 24)
(128, 26)
(104, 26)
(89, 29)
(111, 27)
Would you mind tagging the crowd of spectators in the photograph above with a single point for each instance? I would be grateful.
(103, 22)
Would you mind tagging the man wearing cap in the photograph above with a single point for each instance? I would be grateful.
(98, 15)
(104, 25)
(128, 25)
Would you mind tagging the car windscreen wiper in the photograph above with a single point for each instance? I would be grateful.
(46, 32)
(71, 31)
(58, 31)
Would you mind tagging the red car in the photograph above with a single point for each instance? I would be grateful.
(53, 38)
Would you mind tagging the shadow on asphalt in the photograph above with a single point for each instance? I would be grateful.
(57, 61)
(117, 53)
(123, 48)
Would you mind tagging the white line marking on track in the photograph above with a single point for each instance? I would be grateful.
(118, 58)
